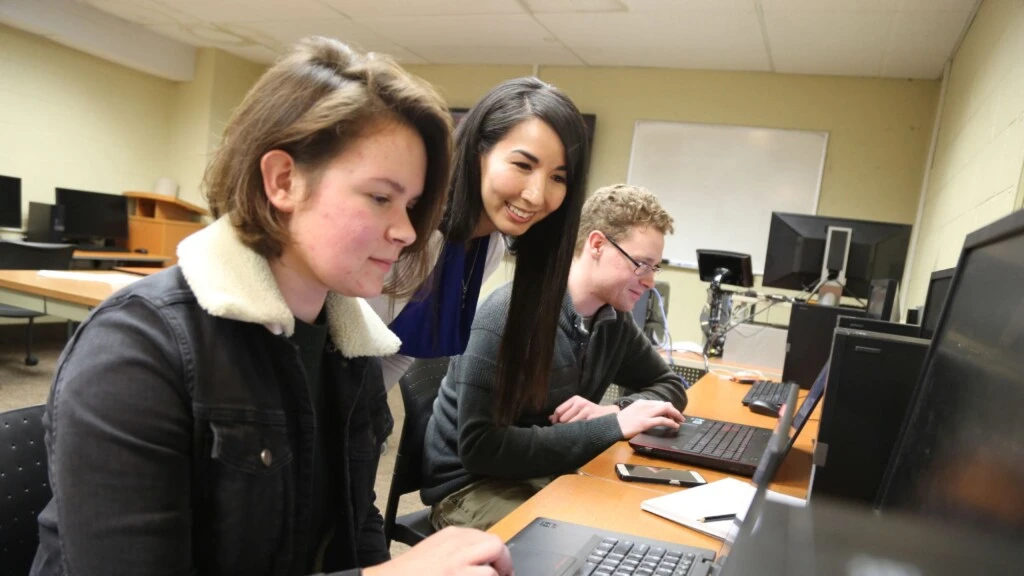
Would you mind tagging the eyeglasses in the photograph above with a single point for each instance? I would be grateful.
(641, 268)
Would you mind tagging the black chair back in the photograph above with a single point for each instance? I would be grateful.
(419, 388)
(24, 487)
(34, 255)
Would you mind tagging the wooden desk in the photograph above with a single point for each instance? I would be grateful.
(101, 256)
(64, 298)
(602, 504)
(721, 399)
(138, 270)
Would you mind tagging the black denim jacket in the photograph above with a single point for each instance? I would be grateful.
(181, 441)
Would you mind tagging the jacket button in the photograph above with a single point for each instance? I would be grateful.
(266, 457)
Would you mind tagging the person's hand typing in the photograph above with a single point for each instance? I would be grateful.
(451, 552)
(643, 415)
(579, 408)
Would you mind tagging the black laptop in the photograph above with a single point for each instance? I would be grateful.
(726, 446)
(547, 547)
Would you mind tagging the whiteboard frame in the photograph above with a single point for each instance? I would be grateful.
(821, 167)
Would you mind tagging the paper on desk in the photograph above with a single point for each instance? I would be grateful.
(726, 496)
(114, 278)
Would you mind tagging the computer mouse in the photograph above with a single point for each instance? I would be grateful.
(662, 432)
(141, 251)
(764, 408)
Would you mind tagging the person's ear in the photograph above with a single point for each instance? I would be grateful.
(281, 182)
(595, 243)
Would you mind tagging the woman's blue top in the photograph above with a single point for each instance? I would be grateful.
(436, 322)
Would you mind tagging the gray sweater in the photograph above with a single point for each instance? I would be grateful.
(464, 444)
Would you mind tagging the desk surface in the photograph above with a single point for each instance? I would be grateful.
(596, 497)
(74, 291)
(119, 256)
(603, 504)
(138, 270)
(721, 399)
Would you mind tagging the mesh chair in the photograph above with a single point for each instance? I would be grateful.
(24, 487)
(419, 388)
(31, 256)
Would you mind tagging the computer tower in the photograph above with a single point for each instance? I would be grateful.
(809, 340)
(882, 326)
(45, 222)
(870, 382)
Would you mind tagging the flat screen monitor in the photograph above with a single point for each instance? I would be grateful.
(960, 455)
(93, 214)
(938, 286)
(881, 299)
(796, 246)
(10, 202)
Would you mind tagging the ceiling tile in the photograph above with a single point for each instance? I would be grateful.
(253, 10)
(256, 53)
(921, 43)
(831, 5)
(201, 35)
(385, 8)
(937, 5)
(829, 32)
(466, 31)
(546, 55)
(143, 11)
(284, 34)
(661, 58)
(849, 63)
(288, 32)
(664, 6)
(696, 31)
(564, 6)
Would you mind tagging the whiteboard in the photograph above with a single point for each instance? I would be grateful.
(721, 183)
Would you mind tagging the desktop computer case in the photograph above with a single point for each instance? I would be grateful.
(809, 340)
(870, 382)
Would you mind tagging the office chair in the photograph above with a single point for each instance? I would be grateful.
(31, 256)
(24, 487)
(419, 389)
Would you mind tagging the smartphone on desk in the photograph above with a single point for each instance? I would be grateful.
(658, 475)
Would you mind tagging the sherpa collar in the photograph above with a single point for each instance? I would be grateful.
(232, 281)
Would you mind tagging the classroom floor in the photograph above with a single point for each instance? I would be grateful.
(22, 386)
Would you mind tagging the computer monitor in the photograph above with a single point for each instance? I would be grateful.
(796, 251)
(734, 267)
(938, 286)
(10, 202)
(89, 215)
(960, 456)
(881, 299)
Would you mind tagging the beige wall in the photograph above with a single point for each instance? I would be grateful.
(68, 119)
(879, 133)
(977, 170)
(202, 110)
(71, 120)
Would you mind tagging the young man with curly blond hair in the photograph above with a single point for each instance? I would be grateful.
(481, 463)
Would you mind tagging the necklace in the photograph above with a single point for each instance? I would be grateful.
(469, 277)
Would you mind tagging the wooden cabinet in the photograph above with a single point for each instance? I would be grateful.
(157, 223)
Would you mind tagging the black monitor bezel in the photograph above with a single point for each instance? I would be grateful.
(15, 221)
(999, 230)
(946, 274)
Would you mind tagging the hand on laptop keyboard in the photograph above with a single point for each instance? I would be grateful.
(452, 551)
(644, 414)
(579, 408)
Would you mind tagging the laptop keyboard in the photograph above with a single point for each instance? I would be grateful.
(724, 440)
(771, 392)
(614, 557)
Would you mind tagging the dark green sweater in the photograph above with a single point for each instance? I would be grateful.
(463, 443)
